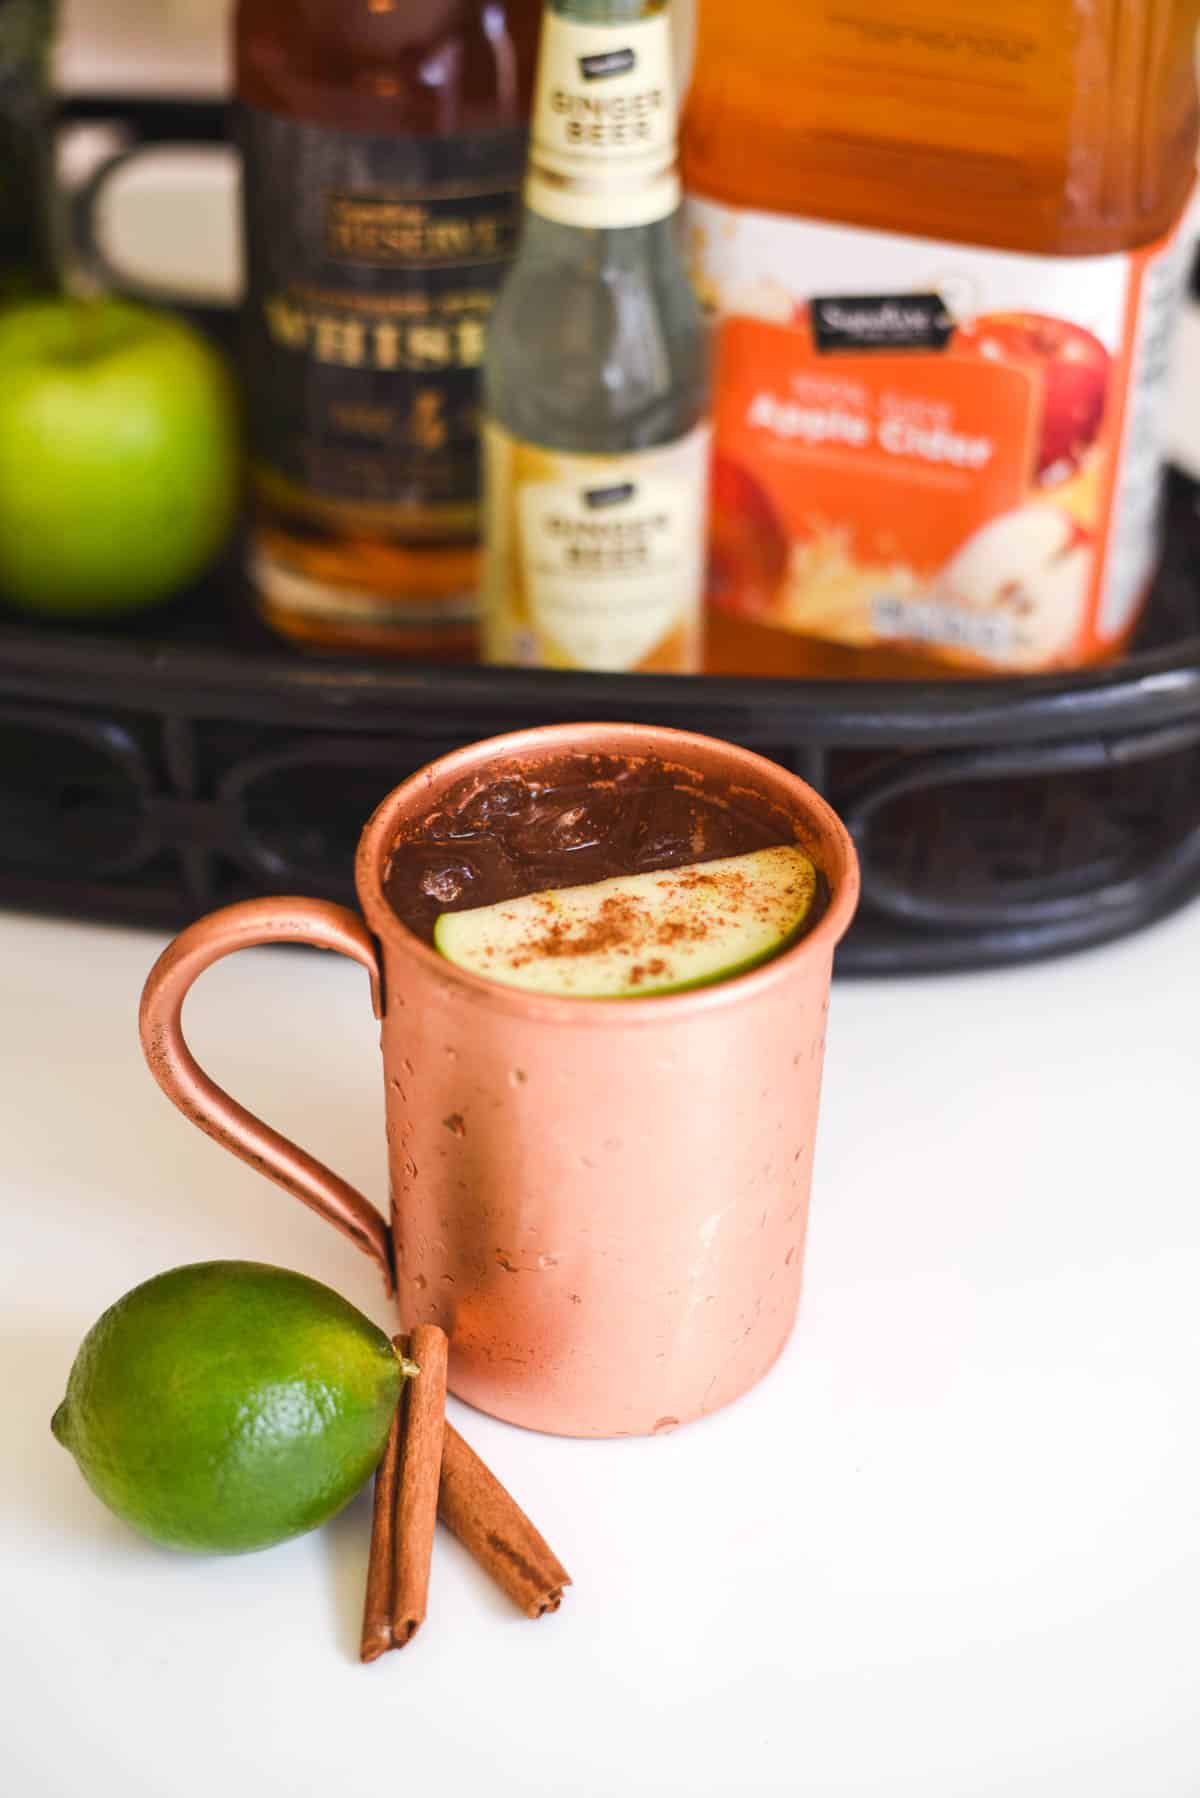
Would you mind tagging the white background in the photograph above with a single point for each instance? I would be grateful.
(948, 1548)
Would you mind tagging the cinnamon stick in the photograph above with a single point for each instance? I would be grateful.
(377, 1607)
(402, 1521)
(491, 1525)
(428, 1471)
(421, 1440)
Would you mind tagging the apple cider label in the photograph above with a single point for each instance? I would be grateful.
(595, 561)
(372, 264)
(934, 446)
(602, 150)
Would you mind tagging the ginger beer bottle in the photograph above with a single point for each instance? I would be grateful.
(595, 376)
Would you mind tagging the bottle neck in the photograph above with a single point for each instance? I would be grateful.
(549, 246)
(603, 151)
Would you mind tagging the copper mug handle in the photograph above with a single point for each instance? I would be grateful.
(323, 925)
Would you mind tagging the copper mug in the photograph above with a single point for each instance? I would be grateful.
(602, 1202)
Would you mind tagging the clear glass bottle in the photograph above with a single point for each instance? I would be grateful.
(595, 374)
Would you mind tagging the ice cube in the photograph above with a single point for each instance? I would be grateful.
(446, 881)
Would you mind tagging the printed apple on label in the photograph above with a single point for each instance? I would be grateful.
(1030, 567)
(1075, 368)
(748, 546)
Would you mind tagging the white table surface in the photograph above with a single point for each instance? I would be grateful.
(948, 1549)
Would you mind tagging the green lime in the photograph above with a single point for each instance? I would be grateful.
(227, 1406)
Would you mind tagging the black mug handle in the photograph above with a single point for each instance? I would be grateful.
(88, 250)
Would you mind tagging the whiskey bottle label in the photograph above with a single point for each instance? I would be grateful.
(595, 561)
(604, 123)
(372, 264)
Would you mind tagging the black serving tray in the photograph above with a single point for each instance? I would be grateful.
(188, 758)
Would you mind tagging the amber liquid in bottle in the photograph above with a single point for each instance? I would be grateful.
(1043, 127)
(383, 145)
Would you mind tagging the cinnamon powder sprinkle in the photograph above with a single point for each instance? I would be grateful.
(623, 923)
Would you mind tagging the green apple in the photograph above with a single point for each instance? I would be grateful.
(119, 459)
(639, 934)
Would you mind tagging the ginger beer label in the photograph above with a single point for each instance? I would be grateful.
(372, 264)
(604, 122)
(595, 561)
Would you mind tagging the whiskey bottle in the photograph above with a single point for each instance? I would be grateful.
(595, 378)
(383, 148)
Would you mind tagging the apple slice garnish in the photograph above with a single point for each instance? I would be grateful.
(639, 934)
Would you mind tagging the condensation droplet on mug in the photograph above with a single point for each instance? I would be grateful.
(450, 1052)
(410, 1168)
(665, 1425)
(420, 1282)
(455, 1124)
(517, 1077)
(447, 1279)
(547, 1261)
(506, 1262)
(586, 1161)
(408, 1067)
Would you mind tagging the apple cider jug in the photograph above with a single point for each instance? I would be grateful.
(945, 246)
